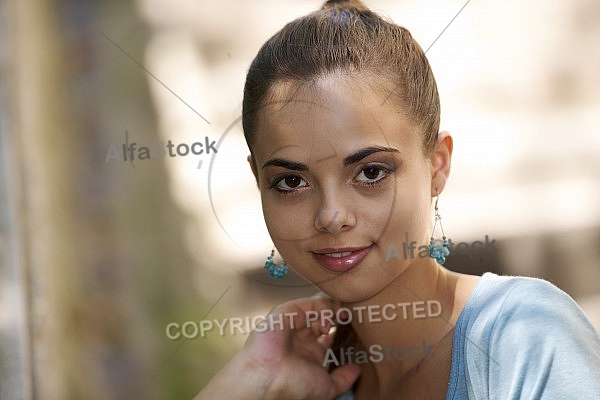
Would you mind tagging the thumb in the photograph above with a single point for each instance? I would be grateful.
(343, 378)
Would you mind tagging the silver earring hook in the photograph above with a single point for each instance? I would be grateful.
(438, 217)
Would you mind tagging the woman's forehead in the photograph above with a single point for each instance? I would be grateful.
(332, 113)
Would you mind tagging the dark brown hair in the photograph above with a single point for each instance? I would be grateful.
(346, 37)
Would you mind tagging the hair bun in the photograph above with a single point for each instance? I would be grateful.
(344, 4)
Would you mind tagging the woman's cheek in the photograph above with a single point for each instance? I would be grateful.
(374, 213)
(285, 222)
(275, 223)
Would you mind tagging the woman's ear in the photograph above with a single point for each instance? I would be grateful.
(440, 162)
(253, 167)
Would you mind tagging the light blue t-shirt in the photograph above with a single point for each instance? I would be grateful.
(522, 338)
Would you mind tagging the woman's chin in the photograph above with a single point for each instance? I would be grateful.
(360, 285)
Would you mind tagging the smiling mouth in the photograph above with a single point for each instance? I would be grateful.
(341, 259)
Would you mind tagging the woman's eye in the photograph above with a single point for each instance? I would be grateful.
(371, 174)
(289, 183)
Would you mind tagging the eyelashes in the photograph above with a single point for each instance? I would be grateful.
(367, 173)
(368, 176)
(288, 183)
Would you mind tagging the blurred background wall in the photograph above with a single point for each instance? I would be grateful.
(97, 257)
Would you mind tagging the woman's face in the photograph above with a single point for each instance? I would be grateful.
(342, 178)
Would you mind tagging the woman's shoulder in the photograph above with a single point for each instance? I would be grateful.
(513, 317)
(494, 292)
(525, 335)
(501, 303)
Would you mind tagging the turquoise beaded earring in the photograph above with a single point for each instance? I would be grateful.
(435, 251)
(275, 271)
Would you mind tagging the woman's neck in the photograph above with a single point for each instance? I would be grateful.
(403, 323)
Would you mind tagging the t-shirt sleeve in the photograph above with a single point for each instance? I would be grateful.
(346, 396)
(540, 345)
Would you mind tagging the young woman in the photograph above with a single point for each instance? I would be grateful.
(341, 116)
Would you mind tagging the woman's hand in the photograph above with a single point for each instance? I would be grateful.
(286, 363)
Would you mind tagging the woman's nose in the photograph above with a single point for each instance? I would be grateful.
(335, 213)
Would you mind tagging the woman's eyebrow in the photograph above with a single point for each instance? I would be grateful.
(280, 162)
(351, 159)
(367, 151)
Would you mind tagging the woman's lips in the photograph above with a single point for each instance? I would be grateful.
(341, 259)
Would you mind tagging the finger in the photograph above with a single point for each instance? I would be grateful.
(326, 341)
(316, 313)
(314, 302)
(343, 316)
(321, 318)
(343, 378)
(325, 297)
